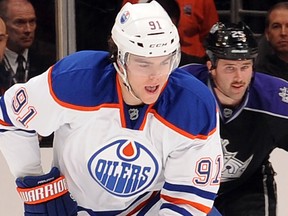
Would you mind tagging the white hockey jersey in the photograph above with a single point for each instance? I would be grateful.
(168, 162)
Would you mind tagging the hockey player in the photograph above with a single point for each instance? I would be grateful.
(131, 136)
(253, 120)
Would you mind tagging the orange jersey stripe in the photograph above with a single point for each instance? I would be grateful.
(72, 106)
(184, 133)
(144, 203)
(4, 123)
(177, 201)
(121, 103)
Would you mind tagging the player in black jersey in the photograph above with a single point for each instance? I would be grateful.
(254, 120)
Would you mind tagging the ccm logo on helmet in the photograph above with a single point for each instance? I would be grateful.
(158, 45)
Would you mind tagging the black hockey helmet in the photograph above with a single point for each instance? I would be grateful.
(230, 41)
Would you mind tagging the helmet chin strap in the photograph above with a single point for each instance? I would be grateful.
(125, 80)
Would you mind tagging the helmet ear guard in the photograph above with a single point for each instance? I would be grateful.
(212, 58)
(122, 57)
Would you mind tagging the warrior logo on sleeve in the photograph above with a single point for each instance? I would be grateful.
(123, 168)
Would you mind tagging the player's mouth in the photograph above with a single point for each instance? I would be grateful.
(238, 85)
(151, 89)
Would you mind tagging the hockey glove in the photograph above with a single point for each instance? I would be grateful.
(46, 195)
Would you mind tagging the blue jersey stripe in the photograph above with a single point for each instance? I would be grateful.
(149, 205)
(190, 189)
(4, 111)
(176, 208)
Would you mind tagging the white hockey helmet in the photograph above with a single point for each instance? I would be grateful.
(145, 29)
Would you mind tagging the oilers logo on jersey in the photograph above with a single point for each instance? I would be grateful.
(133, 172)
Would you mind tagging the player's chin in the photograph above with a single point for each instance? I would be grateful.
(150, 99)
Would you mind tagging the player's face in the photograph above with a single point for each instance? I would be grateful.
(232, 78)
(21, 25)
(3, 38)
(148, 75)
(277, 31)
